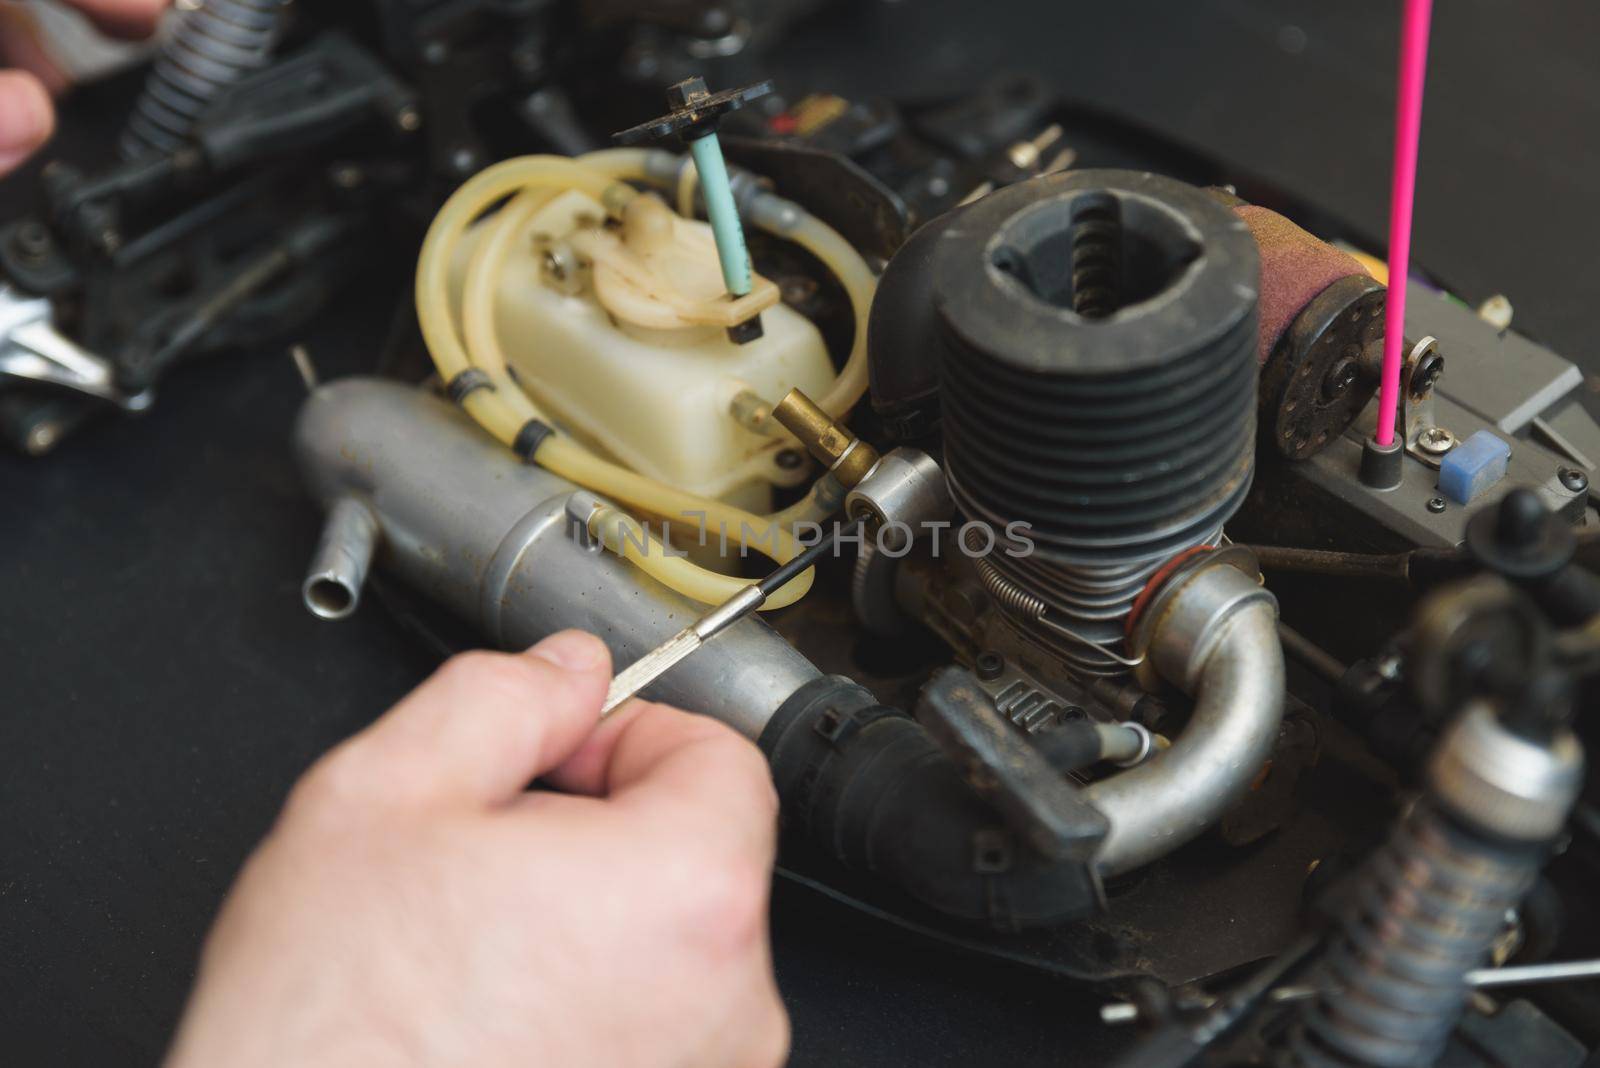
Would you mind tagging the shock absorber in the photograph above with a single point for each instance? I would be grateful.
(1434, 898)
(213, 44)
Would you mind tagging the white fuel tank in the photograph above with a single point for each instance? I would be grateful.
(620, 334)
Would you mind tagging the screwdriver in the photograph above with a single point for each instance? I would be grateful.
(656, 663)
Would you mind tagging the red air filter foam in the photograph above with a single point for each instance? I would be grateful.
(1295, 267)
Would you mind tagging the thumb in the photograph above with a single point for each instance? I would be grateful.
(27, 118)
(484, 726)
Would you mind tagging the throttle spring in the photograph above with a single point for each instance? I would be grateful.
(1009, 596)
(1078, 622)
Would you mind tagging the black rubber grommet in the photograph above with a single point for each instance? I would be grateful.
(467, 383)
(530, 437)
(1382, 465)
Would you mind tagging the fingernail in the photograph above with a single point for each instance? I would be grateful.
(573, 650)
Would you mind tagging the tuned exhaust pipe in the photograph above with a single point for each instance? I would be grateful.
(332, 588)
(458, 518)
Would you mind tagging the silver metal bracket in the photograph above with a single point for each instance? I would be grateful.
(1418, 428)
(32, 350)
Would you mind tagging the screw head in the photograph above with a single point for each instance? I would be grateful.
(1436, 505)
(1573, 479)
(788, 459)
(1436, 440)
(1340, 377)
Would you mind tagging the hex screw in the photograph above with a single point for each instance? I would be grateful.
(1436, 505)
(1573, 479)
(1340, 377)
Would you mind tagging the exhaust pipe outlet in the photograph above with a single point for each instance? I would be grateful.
(467, 525)
(332, 588)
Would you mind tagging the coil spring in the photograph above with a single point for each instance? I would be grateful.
(1091, 653)
(1078, 614)
(1426, 911)
(213, 44)
(1009, 596)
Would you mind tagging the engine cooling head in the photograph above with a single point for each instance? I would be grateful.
(1097, 361)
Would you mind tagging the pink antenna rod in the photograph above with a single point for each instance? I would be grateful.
(1402, 194)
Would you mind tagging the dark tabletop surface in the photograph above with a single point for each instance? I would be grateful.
(161, 687)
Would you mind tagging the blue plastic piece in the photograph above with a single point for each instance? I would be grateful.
(723, 213)
(1473, 466)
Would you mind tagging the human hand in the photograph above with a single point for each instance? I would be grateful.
(415, 905)
(27, 115)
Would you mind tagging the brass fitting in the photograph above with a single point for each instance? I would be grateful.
(846, 456)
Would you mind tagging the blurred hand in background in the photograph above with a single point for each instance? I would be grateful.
(34, 73)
